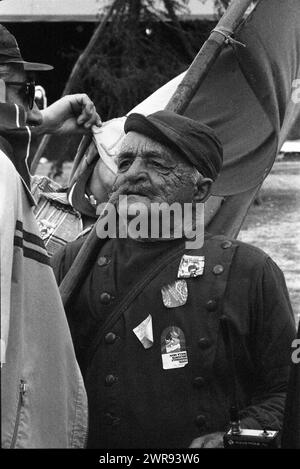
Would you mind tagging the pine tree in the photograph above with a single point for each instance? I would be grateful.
(140, 49)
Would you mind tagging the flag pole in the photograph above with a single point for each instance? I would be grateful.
(220, 36)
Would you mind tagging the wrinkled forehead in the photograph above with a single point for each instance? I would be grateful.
(140, 145)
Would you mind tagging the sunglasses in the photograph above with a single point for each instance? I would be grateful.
(29, 90)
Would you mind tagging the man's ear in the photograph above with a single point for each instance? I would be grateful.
(202, 189)
(2, 91)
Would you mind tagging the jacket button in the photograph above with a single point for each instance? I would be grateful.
(110, 380)
(105, 298)
(103, 260)
(200, 420)
(211, 305)
(218, 269)
(110, 338)
(226, 244)
(204, 343)
(199, 382)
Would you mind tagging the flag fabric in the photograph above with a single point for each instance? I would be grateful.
(248, 95)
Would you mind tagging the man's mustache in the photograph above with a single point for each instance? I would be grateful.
(131, 187)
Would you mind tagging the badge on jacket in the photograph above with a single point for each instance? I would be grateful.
(173, 348)
(46, 228)
(191, 266)
(175, 294)
(144, 332)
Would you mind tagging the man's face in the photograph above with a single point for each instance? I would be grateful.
(15, 94)
(149, 172)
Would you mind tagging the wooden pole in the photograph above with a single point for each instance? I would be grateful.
(178, 103)
(75, 73)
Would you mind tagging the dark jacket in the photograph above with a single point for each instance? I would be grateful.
(133, 401)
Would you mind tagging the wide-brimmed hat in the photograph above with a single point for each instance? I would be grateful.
(10, 53)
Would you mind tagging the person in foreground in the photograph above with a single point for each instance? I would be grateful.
(43, 399)
(146, 322)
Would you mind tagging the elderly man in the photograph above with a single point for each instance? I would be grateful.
(43, 400)
(146, 322)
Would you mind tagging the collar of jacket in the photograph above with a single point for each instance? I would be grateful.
(15, 140)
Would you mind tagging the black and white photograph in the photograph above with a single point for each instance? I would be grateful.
(149, 228)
